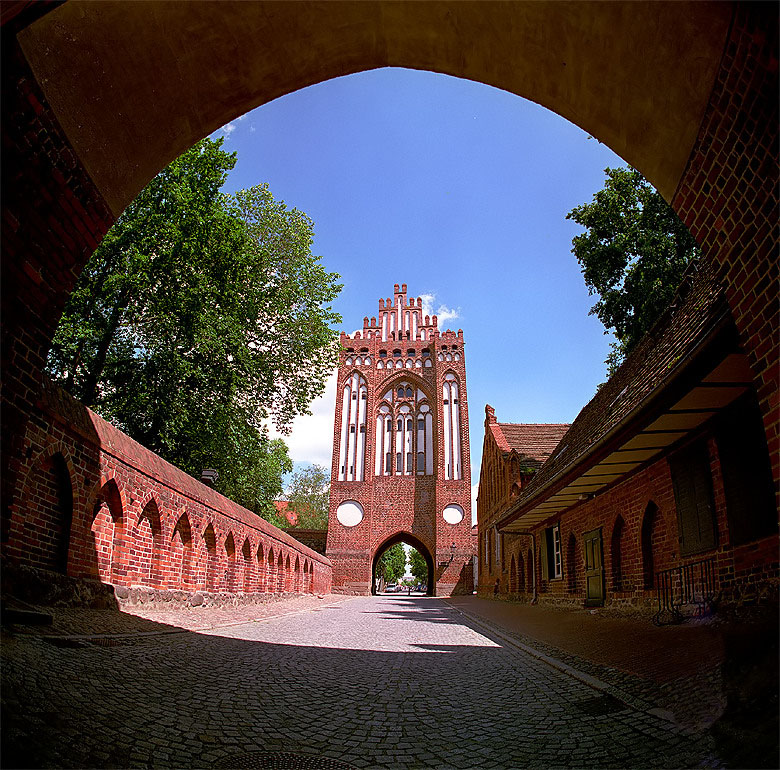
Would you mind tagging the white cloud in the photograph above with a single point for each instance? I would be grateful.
(444, 313)
(447, 314)
(427, 300)
(226, 130)
(474, 490)
(311, 439)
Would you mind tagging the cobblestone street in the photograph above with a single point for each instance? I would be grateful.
(390, 682)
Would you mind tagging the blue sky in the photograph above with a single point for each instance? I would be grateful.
(461, 191)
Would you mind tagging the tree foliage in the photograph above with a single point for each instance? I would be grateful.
(633, 255)
(308, 494)
(200, 317)
(392, 564)
(418, 566)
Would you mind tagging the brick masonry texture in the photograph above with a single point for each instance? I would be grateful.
(638, 519)
(728, 196)
(53, 217)
(408, 506)
(135, 519)
(511, 453)
(145, 522)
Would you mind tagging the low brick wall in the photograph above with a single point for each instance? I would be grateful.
(93, 504)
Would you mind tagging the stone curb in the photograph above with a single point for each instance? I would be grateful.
(638, 704)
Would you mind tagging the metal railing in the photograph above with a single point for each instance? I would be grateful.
(689, 589)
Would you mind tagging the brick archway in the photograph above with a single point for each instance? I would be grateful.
(700, 121)
(409, 539)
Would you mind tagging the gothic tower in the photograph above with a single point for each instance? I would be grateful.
(401, 469)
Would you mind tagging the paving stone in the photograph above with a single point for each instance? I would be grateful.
(374, 682)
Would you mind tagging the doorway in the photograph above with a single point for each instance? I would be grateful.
(594, 569)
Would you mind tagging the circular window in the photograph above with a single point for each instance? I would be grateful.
(350, 513)
(453, 514)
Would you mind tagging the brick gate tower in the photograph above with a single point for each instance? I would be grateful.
(401, 469)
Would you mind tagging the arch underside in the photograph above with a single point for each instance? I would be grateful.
(414, 542)
(637, 76)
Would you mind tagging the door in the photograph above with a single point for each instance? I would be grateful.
(594, 569)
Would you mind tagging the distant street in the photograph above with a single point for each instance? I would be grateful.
(386, 681)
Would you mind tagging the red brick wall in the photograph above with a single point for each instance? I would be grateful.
(745, 574)
(728, 196)
(144, 522)
(499, 475)
(402, 504)
(53, 219)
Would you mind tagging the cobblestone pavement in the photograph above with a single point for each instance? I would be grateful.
(140, 619)
(386, 682)
(677, 669)
(709, 675)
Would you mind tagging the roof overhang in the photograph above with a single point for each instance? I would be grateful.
(713, 375)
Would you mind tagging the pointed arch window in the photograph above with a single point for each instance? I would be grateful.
(451, 428)
(352, 448)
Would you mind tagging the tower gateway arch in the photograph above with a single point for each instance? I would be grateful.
(401, 469)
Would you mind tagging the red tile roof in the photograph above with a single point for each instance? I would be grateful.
(282, 509)
(534, 442)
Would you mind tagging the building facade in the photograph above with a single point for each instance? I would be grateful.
(511, 455)
(401, 469)
(660, 496)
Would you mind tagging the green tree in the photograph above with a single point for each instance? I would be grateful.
(308, 494)
(199, 318)
(418, 566)
(633, 255)
(392, 564)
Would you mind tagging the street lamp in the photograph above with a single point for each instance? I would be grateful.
(452, 552)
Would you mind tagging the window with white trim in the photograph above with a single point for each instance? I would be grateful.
(552, 563)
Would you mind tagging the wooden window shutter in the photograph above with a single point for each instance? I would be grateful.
(543, 556)
(692, 480)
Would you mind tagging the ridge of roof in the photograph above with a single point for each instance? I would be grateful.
(658, 358)
(535, 441)
(536, 424)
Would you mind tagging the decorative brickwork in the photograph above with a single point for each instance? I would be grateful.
(401, 448)
(145, 522)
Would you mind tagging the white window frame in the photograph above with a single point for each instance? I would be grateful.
(557, 561)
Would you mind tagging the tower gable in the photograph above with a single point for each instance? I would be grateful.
(401, 448)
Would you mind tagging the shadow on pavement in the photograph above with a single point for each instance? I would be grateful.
(166, 697)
